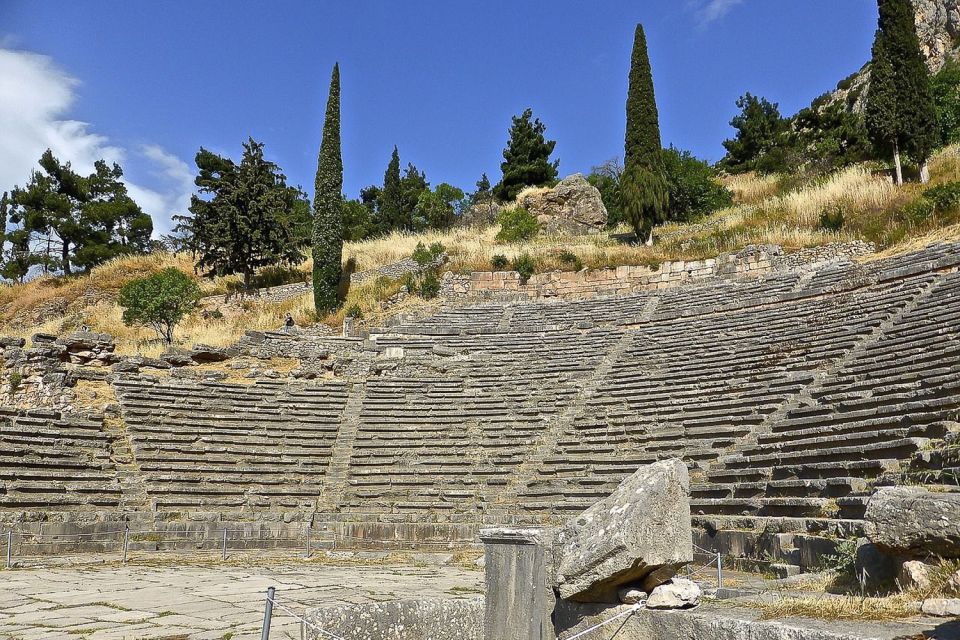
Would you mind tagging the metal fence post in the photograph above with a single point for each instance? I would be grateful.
(9, 549)
(126, 541)
(719, 573)
(224, 544)
(267, 615)
(307, 551)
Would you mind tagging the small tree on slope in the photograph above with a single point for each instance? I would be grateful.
(900, 112)
(643, 186)
(526, 160)
(159, 301)
(328, 206)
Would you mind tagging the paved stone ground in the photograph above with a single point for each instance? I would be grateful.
(177, 600)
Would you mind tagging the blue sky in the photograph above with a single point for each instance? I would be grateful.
(148, 83)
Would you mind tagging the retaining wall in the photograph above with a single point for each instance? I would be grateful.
(753, 261)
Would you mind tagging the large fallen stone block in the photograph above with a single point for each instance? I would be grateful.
(914, 522)
(639, 533)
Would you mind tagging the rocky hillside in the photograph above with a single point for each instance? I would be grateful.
(938, 26)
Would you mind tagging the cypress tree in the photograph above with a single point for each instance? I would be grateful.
(328, 206)
(391, 196)
(901, 115)
(644, 191)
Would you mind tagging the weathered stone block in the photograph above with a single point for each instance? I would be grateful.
(914, 575)
(642, 528)
(679, 593)
(519, 600)
(912, 521)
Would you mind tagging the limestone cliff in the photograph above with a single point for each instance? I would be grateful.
(938, 27)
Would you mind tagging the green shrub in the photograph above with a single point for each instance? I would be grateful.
(354, 311)
(831, 218)
(16, 379)
(843, 562)
(499, 262)
(213, 314)
(421, 255)
(917, 212)
(694, 189)
(277, 275)
(516, 225)
(437, 249)
(525, 266)
(429, 287)
(159, 301)
(945, 196)
(570, 259)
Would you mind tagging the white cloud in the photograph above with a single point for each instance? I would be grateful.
(37, 97)
(708, 11)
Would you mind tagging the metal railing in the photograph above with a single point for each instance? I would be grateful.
(713, 567)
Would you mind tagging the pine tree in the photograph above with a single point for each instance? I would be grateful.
(391, 196)
(901, 115)
(68, 221)
(328, 206)
(526, 158)
(643, 186)
(247, 224)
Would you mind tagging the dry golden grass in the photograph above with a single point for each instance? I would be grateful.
(832, 607)
(94, 395)
(750, 188)
(851, 606)
(856, 188)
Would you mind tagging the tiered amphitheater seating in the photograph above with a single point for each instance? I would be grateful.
(694, 388)
(54, 462)
(860, 422)
(789, 396)
(449, 444)
(232, 446)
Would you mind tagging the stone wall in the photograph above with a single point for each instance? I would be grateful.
(435, 619)
(280, 293)
(752, 261)
(606, 282)
(395, 270)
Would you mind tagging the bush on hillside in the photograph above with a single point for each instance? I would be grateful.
(525, 266)
(159, 301)
(516, 225)
(832, 219)
(694, 190)
(944, 196)
(424, 255)
(917, 212)
(569, 259)
(499, 262)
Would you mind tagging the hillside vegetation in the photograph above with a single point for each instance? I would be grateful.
(854, 203)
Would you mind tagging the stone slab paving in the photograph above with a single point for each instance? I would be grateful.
(173, 601)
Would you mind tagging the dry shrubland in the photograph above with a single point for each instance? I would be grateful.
(782, 210)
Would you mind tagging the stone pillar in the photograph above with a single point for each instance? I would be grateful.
(520, 597)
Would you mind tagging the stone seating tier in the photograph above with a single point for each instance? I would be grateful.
(788, 396)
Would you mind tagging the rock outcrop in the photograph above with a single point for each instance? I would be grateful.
(573, 206)
(639, 533)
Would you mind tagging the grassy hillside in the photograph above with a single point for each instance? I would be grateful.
(770, 209)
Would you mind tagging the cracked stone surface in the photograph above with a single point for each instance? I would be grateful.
(175, 602)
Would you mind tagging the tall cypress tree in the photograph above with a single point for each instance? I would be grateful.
(391, 196)
(328, 206)
(644, 191)
(901, 115)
